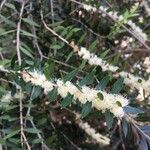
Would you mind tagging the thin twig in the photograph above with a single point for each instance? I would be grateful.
(32, 123)
(53, 32)
(7, 81)
(73, 144)
(146, 7)
(2, 4)
(35, 41)
(90, 30)
(18, 33)
(52, 14)
(1, 55)
(78, 148)
(22, 135)
(52, 10)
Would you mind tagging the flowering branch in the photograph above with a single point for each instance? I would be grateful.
(112, 102)
(129, 79)
(135, 31)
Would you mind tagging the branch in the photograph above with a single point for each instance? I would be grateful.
(32, 123)
(18, 33)
(22, 135)
(134, 123)
(115, 19)
(35, 41)
(83, 95)
(2, 4)
(54, 33)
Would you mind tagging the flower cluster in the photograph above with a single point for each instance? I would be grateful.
(129, 79)
(94, 60)
(7, 98)
(38, 79)
(89, 8)
(102, 140)
(112, 102)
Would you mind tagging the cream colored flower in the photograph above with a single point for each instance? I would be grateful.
(104, 103)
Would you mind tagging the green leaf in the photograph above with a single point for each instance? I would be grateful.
(26, 52)
(59, 28)
(52, 95)
(71, 75)
(9, 5)
(4, 117)
(31, 63)
(2, 141)
(69, 56)
(102, 84)
(67, 100)
(125, 127)
(88, 79)
(14, 140)
(109, 119)
(82, 38)
(55, 24)
(42, 121)
(115, 60)
(30, 118)
(7, 21)
(37, 92)
(10, 107)
(28, 88)
(36, 141)
(7, 32)
(30, 22)
(93, 45)
(103, 55)
(86, 109)
(65, 31)
(76, 29)
(11, 134)
(23, 32)
(117, 86)
(49, 68)
(32, 130)
(82, 64)
(100, 96)
(55, 46)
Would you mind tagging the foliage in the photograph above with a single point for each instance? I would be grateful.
(46, 38)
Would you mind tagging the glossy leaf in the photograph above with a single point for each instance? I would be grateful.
(117, 86)
(67, 100)
(87, 79)
(109, 119)
(102, 84)
(71, 75)
(52, 95)
(86, 109)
